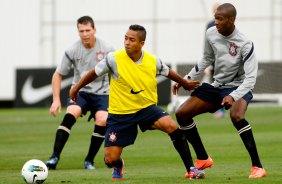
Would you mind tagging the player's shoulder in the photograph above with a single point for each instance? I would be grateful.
(105, 44)
(110, 57)
(211, 30)
(243, 39)
(74, 46)
(149, 54)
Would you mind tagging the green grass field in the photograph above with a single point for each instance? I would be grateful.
(29, 133)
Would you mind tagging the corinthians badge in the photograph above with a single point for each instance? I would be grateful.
(113, 137)
(233, 49)
(99, 56)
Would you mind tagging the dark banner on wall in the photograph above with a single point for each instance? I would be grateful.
(34, 89)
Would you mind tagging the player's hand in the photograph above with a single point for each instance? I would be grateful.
(227, 102)
(55, 108)
(191, 84)
(73, 94)
(175, 88)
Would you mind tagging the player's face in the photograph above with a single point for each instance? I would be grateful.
(132, 44)
(223, 22)
(86, 34)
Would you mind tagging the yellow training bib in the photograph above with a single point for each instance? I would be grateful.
(136, 85)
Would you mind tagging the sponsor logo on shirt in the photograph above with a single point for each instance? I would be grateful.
(135, 92)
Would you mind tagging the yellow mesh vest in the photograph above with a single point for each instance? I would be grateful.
(136, 86)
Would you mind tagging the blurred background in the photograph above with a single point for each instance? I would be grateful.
(35, 34)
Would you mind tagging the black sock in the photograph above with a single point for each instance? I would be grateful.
(245, 132)
(180, 144)
(194, 139)
(62, 134)
(116, 164)
(97, 139)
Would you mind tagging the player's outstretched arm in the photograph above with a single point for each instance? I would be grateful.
(86, 79)
(186, 84)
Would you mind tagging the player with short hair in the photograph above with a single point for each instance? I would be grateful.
(83, 55)
(133, 99)
(234, 77)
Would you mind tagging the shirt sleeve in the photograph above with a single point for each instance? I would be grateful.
(65, 65)
(162, 69)
(250, 69)
(107, 65)
(207, 60)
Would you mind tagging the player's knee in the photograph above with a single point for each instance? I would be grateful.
(171, 127)
(101, 122)
(182, 115)
(108, 163)
(101, 118)
(236, 117)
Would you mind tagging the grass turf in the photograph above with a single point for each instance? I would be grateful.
(29, 133)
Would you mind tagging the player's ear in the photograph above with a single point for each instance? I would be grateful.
(142, 43)
(232, 19)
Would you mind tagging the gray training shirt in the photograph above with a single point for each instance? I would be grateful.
(234, 61)
(82, 60)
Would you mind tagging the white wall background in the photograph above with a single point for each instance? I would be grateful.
(35, 33)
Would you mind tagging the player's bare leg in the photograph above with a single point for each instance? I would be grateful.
(113, 160)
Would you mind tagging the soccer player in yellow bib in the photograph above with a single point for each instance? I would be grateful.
(133, 99)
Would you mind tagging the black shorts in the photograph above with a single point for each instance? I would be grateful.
(214, 95)
(91, 102)
(122, 128)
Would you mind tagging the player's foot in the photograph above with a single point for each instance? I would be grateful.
(118, 173)
(195, 173)
(257, 172)
(203, 164)
(89, 165)
(52, 162)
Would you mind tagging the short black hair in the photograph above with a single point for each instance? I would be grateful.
(141, 29)
(231, 10)
(85, 20)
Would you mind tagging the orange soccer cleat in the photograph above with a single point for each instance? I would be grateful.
(203, 164)
(257, 172)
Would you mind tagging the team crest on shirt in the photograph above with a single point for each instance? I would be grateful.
(113, 137)
(233, 49)
(99, 56)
